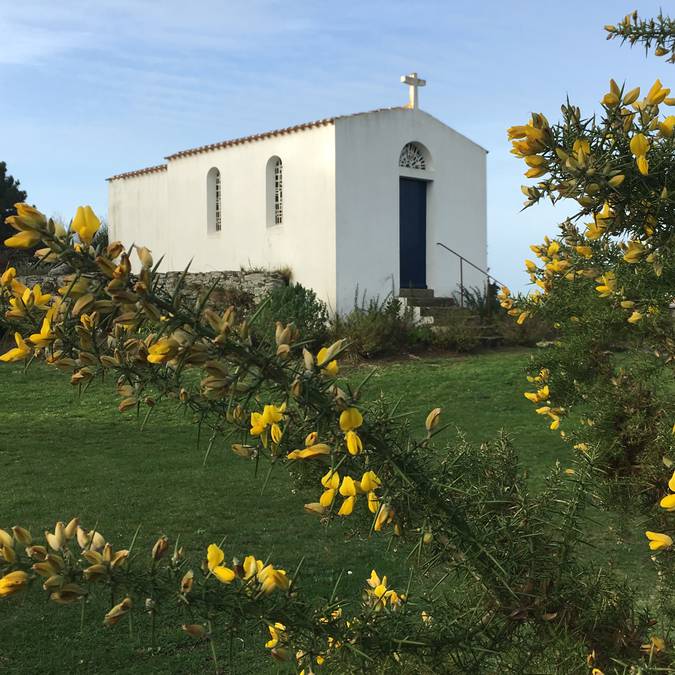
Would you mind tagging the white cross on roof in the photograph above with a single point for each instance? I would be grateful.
(413, 82)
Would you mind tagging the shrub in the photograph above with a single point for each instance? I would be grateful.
(379, 328)
(461, 335)
(482, 302)
(294, 304)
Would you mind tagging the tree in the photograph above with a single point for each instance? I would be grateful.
(10, 194)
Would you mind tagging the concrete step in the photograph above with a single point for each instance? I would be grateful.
(416, 293)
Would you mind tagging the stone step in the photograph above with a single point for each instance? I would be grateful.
(432, 302)
(416, 293)
(451, 313)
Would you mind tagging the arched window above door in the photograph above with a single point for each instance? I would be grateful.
(414, 156)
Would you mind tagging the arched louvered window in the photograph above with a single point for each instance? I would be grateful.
(275, 192)
(214, 201)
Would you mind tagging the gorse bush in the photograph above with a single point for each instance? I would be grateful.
(498, 578)
(465, 512)
(607, 282)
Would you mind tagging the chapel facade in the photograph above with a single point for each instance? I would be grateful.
(350, 203)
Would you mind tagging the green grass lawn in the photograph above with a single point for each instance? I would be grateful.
(61, 456)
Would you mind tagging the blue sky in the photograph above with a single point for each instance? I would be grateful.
(95, 88)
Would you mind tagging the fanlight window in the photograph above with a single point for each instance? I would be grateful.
(278, 193)
(411, 157)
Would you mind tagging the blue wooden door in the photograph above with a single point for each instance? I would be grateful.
(413, 232)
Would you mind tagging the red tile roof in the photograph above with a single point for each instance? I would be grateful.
(139, 172)
(250, 139)
(244, 139)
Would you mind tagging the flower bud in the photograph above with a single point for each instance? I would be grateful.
(22, 535)
(315, 508)
(117, 612)
(144, 256)
(114, 249)
(71, 528)
(7, 553)
(55, 581)
(296, 388)
(160, 548)
(245, 451)
(186, 582)
(6, 539)
(433, 418)
(308, 358)
(194, 630)
(36, 552)
(95, 572)
(57, 540)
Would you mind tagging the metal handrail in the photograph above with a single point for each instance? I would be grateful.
(463, 260)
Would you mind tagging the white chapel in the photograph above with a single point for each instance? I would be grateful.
(351, 202)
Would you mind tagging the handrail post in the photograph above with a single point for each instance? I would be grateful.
(462, 259)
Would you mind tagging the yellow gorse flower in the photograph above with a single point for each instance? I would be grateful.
(370, 482)
(668, 502)
(331, 367)
(351, 419)
(7, 277)
(316, 450)
(639, 146)
(658, 541)
(13, 583)
(349, 490)
(633, 252)
(85, 223)
(379, 595)
(331, 483)
(266, 424)
(45, 337)
(214, 559)
(353, 443)
(606, 284)
(276, 642)
(657, 94)
(25, 239)
(655, 645)
(538, 396)
(19, 353)
(163, 350)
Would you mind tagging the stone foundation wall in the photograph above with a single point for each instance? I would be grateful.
(231, 287)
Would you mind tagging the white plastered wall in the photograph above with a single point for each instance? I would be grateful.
(138, 211)
(304, 242)
(367, 189)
